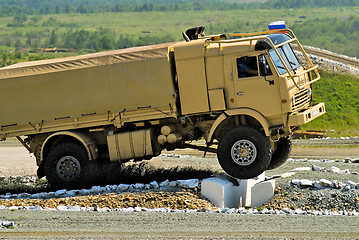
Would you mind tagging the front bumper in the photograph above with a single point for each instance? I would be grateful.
(306, 116)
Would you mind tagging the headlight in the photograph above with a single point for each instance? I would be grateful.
(310, 92)
(293, 100)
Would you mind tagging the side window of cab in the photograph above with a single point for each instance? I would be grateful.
(247, 67)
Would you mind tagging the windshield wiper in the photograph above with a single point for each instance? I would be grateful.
(281, 67)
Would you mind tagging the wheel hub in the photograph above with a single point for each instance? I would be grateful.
(68, 168)
(243, 152)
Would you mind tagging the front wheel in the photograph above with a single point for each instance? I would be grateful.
(244, 152)
(67, 166)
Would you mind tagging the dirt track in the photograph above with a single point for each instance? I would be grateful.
(16, 161)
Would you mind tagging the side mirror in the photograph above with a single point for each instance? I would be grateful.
(263, 67)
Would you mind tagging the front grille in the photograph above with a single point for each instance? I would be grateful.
(301, 100)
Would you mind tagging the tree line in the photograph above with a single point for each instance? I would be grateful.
(98, 40)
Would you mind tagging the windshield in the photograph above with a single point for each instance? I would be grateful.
(285, 51)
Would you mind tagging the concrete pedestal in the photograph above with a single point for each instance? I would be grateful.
(225, 191)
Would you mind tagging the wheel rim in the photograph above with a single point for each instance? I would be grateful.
(68, 168)
(243, 152)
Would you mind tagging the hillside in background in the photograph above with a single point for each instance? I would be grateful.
(340, 94)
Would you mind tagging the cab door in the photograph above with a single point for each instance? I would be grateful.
(255, 85)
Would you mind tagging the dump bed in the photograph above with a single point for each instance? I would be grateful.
(96, 84)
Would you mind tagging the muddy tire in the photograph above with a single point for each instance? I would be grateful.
(244, 152)
(67, 166)
(281, 153)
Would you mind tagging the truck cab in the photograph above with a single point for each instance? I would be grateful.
(258, 88)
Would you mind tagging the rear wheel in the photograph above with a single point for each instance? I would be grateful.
(281, 153)
(244, 152)
(67, 166)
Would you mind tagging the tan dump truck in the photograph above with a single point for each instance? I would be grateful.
(244, 96)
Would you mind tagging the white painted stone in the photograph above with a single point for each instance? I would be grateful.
(62, 208)
(73, 208)
(289, 174)
(301, 169)
(335, 170)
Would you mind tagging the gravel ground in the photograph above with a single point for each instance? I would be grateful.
(101, 221)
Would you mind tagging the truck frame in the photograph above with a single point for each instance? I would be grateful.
(130, 104)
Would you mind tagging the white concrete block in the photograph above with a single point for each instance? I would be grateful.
(220, 192)
(262, 192)
(245, 186)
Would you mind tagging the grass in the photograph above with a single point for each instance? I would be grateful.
(340, 94)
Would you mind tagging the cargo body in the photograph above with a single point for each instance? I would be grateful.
(246, 95)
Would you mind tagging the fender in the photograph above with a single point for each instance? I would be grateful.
(85, 139)
(242, 111)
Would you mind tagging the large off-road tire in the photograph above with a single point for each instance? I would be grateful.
(67, 166)
(281, 153)
(244, 152)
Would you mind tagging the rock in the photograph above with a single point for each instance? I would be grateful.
(335, 184)
(190, 183)
(165, 183)
(296, 182)
(139, 186)
(60, 192)
(351, 184)
(7, 224)
(317, 168)
(355, 160)
(317, 184)
(154, 185)
(305, 183)
(325, 182)
(122, 187)
(335, 170)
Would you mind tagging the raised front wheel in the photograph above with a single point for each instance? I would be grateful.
(244, 152)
